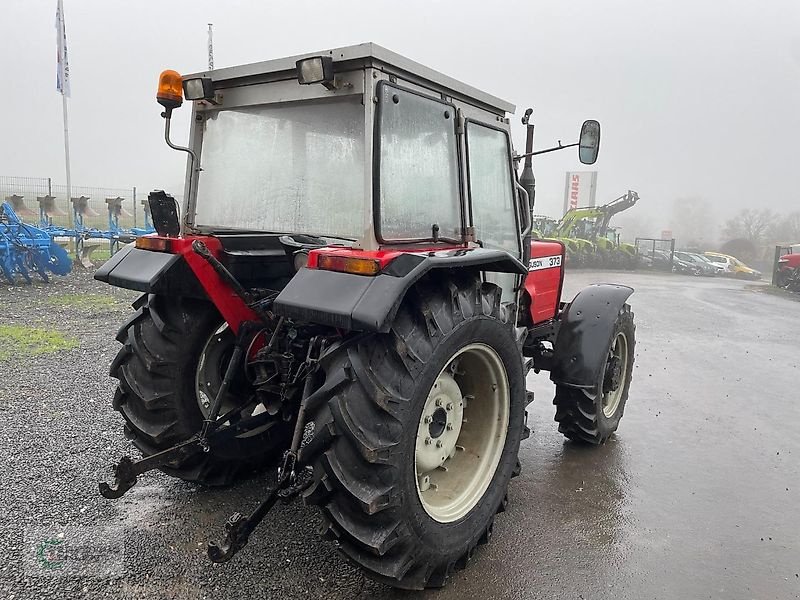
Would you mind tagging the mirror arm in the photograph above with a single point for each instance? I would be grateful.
(553, 149)
(167, 114)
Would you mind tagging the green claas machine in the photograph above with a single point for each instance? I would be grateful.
(350, 293)
(589, 239)
(543, 226)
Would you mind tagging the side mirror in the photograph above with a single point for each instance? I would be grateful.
(589, 143)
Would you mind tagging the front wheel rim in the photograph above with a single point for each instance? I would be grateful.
(616, 374)
(462, 433)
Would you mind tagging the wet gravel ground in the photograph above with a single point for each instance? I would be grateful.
(698, 496)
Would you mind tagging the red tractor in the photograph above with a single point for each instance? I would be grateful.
(787, 273)
(350, 291)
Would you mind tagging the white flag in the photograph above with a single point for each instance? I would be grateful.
(62, 76)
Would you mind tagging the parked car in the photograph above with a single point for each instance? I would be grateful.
(695, 264)
(657, 259)
(732, 266)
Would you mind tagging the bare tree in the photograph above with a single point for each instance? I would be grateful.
(751, 225)
(786, 229)
(692, 222)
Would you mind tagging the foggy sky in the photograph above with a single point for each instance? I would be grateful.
(696, 98)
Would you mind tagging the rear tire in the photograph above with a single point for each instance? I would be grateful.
(365, 445)
(157, 394)
(591, 416)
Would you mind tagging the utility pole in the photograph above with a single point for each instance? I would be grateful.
(210, 46)
(62, 85)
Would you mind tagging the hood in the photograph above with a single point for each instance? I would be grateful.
(790, 260)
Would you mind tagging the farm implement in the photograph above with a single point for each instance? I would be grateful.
(26, 250)
(83, 238)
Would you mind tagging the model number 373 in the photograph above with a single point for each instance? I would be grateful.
(544, 262)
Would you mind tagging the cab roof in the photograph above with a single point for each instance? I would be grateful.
(355, 57)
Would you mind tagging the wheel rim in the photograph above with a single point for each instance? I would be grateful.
(462, 433)
(615, 375)
(211, 367)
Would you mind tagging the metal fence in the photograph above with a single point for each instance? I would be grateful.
(656, 253)
(35, 198)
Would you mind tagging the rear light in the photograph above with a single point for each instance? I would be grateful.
(349, 264)
(155, 244)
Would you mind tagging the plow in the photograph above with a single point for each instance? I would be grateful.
(26, 250)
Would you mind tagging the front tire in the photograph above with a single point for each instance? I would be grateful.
(405, 514)
(158, 397)
(591, 416)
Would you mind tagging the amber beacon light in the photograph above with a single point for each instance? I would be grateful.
(170, 89)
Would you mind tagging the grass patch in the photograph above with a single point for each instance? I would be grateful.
(82, 300)
(774, 291)
(16, 341)
(99, 255)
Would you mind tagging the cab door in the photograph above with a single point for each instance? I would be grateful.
(492, 199)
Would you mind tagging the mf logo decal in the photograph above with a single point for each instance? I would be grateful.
(545, 262)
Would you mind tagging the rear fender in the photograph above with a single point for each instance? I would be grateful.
(150, 272)
(581, 348)
(182, 272)
(363, 303)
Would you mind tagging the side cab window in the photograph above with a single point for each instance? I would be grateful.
(492, 197)
(491, 188)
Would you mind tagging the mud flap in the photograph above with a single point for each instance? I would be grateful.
(359, 303)
(151, 273)
(579, 352)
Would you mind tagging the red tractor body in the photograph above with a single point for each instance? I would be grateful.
(787, 274)
(545, 279)
(789, 261)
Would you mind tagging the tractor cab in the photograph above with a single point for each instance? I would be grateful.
(356, 147)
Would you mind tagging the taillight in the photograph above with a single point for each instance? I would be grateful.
(349, 264)
(154, 243)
